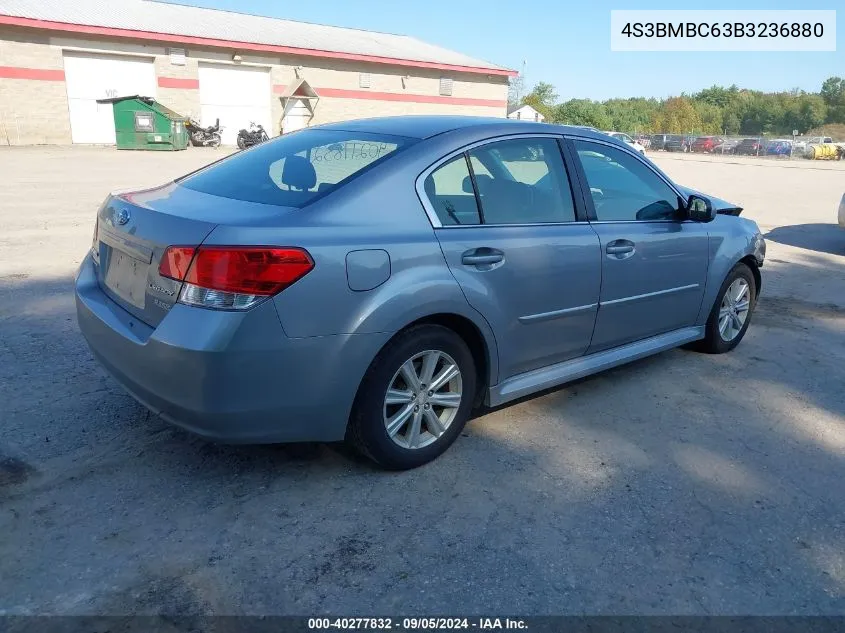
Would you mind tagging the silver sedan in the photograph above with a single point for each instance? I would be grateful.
(377, 280)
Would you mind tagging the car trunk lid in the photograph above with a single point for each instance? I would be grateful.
(134, 229)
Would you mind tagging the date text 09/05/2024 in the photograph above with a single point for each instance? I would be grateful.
(416, 624)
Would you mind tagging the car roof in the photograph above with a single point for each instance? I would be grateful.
(427, 126)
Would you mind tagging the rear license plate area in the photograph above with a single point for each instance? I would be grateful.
(127, 278)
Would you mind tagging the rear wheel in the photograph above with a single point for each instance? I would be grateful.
(731, 314)
(415, 398)
(215, 140)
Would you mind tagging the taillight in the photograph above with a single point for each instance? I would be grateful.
(233, 277)
(175, 261)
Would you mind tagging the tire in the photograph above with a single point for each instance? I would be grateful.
(241, 142)
(714, 341)
(216, 139)
(368, 423)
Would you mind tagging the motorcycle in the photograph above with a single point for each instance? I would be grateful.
(253, 136)
(204, 136)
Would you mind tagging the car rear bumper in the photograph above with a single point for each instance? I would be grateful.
(227, 376)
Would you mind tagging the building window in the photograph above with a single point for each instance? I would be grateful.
(446, 86)
(364, 80)
(518, 114)
(177, 56)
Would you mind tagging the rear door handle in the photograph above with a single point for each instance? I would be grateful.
(482, 257)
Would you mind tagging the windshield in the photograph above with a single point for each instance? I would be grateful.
(294, 170)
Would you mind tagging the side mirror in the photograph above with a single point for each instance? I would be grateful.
(700, 209)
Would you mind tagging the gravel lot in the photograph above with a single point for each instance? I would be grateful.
(682, 484)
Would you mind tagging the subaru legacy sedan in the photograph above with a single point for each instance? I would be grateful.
(378, 280)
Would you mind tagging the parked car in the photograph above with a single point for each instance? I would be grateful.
(628, 141)
(705, 144)
(679, 143)
(658, 142)
(727, 146)
(779, 147)
(269, 298)
(750, 147)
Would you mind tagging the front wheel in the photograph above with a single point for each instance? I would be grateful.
(731, 314)
(241, 142)
(415, 398)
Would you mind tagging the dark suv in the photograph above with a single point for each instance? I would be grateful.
(750, 147)
(658, 141)
(679, 143)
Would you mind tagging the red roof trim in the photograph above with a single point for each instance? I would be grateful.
(175, 82)
(249, 46)
(38, 74)
(342, 93)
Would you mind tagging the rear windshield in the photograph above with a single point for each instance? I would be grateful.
(294, 170)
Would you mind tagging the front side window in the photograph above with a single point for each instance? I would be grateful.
(522, 181)
(623, 188)
(293, 169)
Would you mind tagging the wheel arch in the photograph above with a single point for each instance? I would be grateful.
(749, 261)
(478, 337)
(475, 340)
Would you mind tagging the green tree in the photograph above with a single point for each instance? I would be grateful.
(631, 115)
(542, 98)
(583, 112)
(710, 116)
(805, 112)
(677, 115)
(833, 93)
(731, 122)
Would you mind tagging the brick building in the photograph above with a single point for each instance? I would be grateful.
(58, 57)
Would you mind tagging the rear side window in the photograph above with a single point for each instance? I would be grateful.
(449, 189)
(523, 181)
(294, 170)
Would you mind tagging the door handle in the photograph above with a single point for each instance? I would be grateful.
(482, 257)
(620, 248)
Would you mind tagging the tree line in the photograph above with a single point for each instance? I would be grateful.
(714, 110)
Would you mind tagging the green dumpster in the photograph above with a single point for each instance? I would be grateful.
(144, 123)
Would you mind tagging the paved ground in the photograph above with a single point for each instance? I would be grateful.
(680, 484)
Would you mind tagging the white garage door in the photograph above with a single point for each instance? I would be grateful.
(236, 95)
(92, 77)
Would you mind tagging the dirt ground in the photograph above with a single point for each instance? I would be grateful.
(681, 484)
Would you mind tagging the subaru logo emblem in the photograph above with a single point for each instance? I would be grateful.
(122, 217)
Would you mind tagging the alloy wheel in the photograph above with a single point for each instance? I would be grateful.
(422, 399)
(734, 308)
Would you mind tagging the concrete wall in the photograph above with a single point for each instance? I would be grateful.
(33, 97)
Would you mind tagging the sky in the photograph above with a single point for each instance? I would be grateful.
(567, 43)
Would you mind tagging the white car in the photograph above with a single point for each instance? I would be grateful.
(628, 141)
